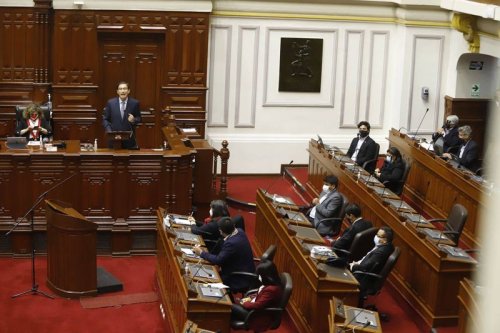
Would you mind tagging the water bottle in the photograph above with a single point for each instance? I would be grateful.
(95, 144)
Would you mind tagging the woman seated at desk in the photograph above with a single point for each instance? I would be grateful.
(392, 171)
(33, 124)
(209, 229)
(268, 295)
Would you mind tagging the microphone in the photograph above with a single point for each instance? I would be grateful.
(399, 129)
(274, 181)
(421, 120)
(383, 191)
(189, 327)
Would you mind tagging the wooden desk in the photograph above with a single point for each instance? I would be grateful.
(181, 298)
(119, 190)
(313, 283)
(344, 318)
(423, 276)
(468, 310)
(436, 186)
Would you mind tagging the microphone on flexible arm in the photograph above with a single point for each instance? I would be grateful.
(276, 180)
(421, 120)
(38, 200)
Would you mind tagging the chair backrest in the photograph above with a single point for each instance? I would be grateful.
(239, 221)
(371, 164)
(384, 273)
(269, 253)
(345, 202)
(287, 285)
(362, 243)
(456, 221)
(402, 182)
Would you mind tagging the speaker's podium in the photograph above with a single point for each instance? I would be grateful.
(116, 138)
(72, 254)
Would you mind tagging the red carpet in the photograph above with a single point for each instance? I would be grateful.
(35, 313)
(117, 300)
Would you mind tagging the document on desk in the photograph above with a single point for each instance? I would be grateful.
(183, 221)
(435, 234)
(211, 292)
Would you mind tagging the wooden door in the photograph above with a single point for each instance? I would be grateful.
(134, 58)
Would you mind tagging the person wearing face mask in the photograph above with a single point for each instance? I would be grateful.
(268, 295)
(392, 171)
(327, 205)
(362, 147)
(468, 152)
(449, 134)
(235, 255)
(34, 124)
(375, 259)
(209, 229)
(357, 224)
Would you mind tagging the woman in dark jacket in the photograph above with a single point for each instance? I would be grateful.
(209, 229)
(392, 171)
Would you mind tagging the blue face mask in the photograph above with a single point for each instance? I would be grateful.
(326, 188)
(388, 158)
(376, 240)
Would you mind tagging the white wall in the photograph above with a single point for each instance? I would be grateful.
(373, 69)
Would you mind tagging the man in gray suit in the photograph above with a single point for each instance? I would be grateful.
(122, 113)
(327, 205)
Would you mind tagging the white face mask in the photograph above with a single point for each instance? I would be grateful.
(388, 158)
(326, 188)
(211, 212)
(376, 240)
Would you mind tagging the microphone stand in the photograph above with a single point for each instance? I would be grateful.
(421, 120)
(34, 286)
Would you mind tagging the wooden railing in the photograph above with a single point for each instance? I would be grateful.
(223, 154)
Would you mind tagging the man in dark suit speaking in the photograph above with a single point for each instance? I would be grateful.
(122, 113)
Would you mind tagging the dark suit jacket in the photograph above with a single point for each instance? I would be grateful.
(450, 140)
(345, 241)
(210, 233)
(392, 173)
(470, 158)
(330, 207)
(112, 120)
(373, 262)
(366, 152)
(234, 256)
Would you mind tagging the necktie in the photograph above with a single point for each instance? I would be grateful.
(122, 108)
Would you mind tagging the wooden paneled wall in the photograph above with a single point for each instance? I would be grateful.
(79, 56)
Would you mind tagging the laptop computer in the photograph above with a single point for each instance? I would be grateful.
(16, 142)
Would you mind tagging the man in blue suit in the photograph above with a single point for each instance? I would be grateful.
(235, 255)
(122, 113)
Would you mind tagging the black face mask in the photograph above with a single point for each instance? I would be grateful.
(448, 125)
(363, 134)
